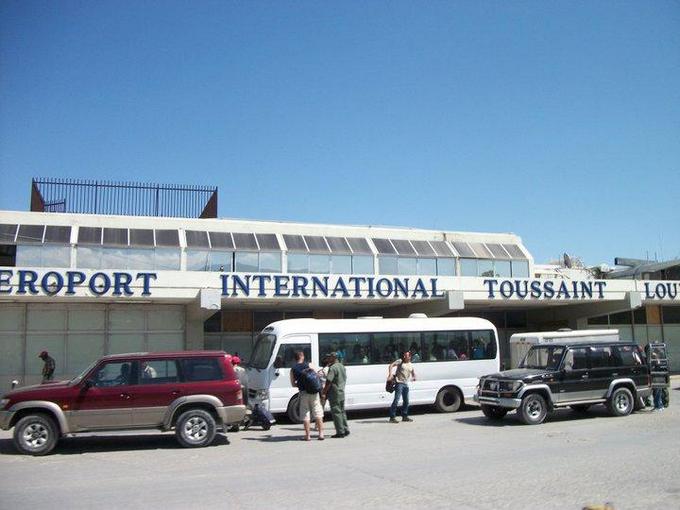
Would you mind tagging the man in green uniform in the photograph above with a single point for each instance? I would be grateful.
(334, 390)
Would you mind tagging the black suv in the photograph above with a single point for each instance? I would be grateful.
(577, 375)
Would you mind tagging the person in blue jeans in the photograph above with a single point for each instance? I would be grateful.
(403, 375)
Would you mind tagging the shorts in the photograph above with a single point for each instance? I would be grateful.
(310, 402)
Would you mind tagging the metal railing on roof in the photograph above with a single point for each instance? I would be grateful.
(123, 198)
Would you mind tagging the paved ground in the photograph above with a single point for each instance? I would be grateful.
(439, 461)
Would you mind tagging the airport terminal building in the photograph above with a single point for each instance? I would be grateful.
(98, 268)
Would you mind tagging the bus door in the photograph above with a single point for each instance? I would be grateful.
(280, 389)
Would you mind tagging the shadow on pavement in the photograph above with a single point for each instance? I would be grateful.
(270, 438)
(111, 443)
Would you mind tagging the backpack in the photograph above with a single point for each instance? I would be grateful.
(309, 380)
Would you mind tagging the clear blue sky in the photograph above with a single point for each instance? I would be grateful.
(557, 121)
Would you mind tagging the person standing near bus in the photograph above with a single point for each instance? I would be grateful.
(404, 373)
(310, 402)
(335, 391)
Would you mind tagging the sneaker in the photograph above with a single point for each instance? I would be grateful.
(346, 433)
(394, 420)
(338, 436)
(406, 418)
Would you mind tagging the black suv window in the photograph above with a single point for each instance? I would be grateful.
(626, 356)
(201, 369)
(601, 357)
(576, 359)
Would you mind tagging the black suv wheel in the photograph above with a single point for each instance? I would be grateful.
(494, 412)
(621, 402)
(195, 428)
(533, 409)
(35, 434)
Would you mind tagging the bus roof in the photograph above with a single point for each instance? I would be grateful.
(291, 326)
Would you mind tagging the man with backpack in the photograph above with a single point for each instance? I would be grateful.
(304, 377)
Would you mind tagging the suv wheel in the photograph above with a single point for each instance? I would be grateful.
(195, 428)
(448, 400)
(580, 408)
(494, 412)
(621, 402)
(35, 434)
(293, 410)
(533, 409)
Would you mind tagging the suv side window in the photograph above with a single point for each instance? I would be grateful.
(601, 357)
(201, 369)
(115, 373)
(626, 356)
(158, 371)
(576, 359)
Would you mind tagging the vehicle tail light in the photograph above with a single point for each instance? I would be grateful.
(239, 395)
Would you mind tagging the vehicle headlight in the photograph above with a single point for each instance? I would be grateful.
(3, 403)
(510, 385)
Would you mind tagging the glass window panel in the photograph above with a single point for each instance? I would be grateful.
(387, 265)
(406, 265)
(338, 244)
(29, 255)
(671, 314)
(167, 238)
(446, 267)
(353, 348)
(140, 258)
(7, 233)
(86, 320)
(497, 250)
(126, 318)
(56, 256)
(640, 315)
(30, 234)
(89, 235)
(403, 247)
(294, 243)
(89, 257)
(298, 263)
(245, 242)
(520, 269)
(481, 251)
(359, 245)
(514, 251)
(245, 262)
(383, 348)
(11, 318)
(221, 240)
(115, 373)
(362, 264)
(483, 345)
(159, 342)
(82, 349)
(56, 234)
(434, 346)
(220, 260)
(45, 319)
(116, 236)
(423, 248)
(197, 238)
(621, 318)
(285, 356)
(114, 258)
(141, 237)
(502, 268)
(485, 268)
(201, 369)
(158, 371)
(384, 246)
(317, 244)
(341, 264)
(468, 267)
(427, 266)
(270, 262)
(463, 249)
(442, 248)
(52, 343)
(167, 259)
(11, 354)
(319, 264)
(120, 343)
(166, 319)
(268, 242)
(640, 334)
(198, 260)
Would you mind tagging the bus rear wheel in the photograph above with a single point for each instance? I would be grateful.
(448, 400)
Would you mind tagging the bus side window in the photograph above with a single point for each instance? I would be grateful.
(287, 352)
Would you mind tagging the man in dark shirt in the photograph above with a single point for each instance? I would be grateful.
(48, 366)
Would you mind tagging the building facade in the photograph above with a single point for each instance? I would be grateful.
(84, 285)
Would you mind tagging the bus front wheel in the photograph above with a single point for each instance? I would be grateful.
(293, 411)
(448, 400)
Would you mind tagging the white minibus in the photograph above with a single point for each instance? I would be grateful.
(449, 355)
(520, 343)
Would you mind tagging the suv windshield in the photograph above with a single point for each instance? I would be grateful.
(543, 357)
(262, 353)
(79, 378)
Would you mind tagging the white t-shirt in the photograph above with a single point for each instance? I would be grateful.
(404, 372)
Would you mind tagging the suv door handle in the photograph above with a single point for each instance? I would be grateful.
(176, 392)
(126, 396)
(584, 376)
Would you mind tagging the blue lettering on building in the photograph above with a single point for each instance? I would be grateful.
(544, 289)
(52, 283)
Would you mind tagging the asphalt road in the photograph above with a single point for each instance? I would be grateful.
(439, 461)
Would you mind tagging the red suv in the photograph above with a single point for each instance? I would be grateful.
(194, 393)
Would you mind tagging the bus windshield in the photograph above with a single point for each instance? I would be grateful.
(262, 352)
(547, 357)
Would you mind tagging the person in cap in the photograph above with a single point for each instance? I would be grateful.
(48, 366)
(334, 390)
